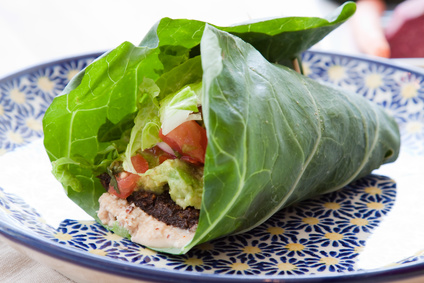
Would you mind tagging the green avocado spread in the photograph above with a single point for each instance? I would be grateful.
(184, 180)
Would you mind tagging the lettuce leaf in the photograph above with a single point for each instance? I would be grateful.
(145, 132)
(272, 139)
(176, 108)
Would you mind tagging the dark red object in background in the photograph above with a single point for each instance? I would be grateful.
(405, 31)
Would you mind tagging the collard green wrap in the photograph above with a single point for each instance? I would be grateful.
(275, 137)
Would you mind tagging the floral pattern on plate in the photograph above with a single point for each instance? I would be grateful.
(322, 235)
(25, 98)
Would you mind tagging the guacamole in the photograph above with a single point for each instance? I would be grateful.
(184, 180)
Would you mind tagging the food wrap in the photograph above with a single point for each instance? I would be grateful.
(275, 137)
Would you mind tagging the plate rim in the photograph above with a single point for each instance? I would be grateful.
(132, 271)
(372, 59)
(34, 67)
(128, 270)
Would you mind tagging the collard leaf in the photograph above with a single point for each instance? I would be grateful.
(74, 125)
(279, 40)
(276, 137)
(272, 139)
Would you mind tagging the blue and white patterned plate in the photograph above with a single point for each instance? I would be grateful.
(370, 230)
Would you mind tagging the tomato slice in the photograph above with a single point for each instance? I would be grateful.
(139, 163)
(127, 182)
(188, 139)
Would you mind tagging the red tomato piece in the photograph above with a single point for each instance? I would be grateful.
(188, 139)
(157, 152)
(127, 182)
(165, 156)
(140, 164)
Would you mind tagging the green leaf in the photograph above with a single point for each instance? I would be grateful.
(284, 39)
(145, 132)
(105, 93)
(276, 137)
(279, 40)
(189, 72)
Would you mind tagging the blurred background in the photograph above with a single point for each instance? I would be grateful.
(34, 32)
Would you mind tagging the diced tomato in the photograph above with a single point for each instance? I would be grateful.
(127, 182)
(160, 154)
(191, 160)
(165, 156)
(188, 139)
(140, 164)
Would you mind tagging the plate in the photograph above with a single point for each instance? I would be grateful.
(371, 230)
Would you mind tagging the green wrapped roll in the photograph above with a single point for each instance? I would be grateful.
(194, 134)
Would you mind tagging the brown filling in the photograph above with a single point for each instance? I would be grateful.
(104, 180)
(161, 207)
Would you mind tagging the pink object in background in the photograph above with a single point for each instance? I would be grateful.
(405, 30)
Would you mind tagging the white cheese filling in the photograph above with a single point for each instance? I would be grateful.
(143, 228)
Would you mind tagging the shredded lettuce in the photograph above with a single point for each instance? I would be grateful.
(179, 107)
(152, 115)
